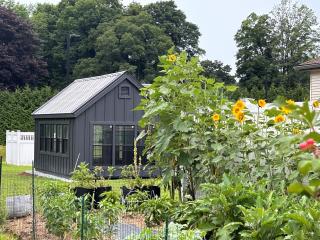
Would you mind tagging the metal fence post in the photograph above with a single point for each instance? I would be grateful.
(82, 218)
(33, 206)
(0, 173)
(166, 230)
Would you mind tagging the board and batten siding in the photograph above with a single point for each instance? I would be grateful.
(53, 163)
(110, 109)
(314, 85)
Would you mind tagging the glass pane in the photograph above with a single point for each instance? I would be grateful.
(64, 145)
(59, 131)
(107, 134)
(125, 91)
(65, 131)
(59, 145)
(97, 134)
(42, 130)
(102, 155)
(124, 145)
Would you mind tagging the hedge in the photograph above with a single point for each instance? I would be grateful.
(16, 108)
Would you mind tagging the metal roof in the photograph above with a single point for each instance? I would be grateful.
(77, 94)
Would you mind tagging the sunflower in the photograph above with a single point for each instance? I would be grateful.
(262, 103)
(172, 58)
(240, 104)
(235, 110)
(279, 118)
(296, 131)
(316, 104)
(240, 116)
(285, 110)
(215, 117)
(290, 102)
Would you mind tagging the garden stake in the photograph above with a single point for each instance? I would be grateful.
(0, 173)
(33, 206)
(82, 217)
(166, 230)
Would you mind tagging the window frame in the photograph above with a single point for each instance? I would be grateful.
(114, 124)
(127, 96)
(54, 138)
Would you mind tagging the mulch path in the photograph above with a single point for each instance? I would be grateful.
(22, 228)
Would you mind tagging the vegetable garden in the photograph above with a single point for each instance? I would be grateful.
(225, 173)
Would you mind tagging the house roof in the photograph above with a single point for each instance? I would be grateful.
(308, 65)
(78, 94)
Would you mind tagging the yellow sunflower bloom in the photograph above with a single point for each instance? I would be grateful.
(172, 58)
(235, 110)
(262, 103)
(285, 110)
(216, 117)
(290, 102)
(240, 116)
(240, 104)
(316, 104)
(279, 118)
(296, 131)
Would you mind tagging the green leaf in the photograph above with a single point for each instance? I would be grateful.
(314, 135)
(295, 187)
(315, 164)
(305, 167)
(231, 88)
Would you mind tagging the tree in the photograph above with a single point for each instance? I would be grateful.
(270, 46)
(216, 69)
(255, 67)
(66, 33)
(296, 36)
(131, 42)
(185, 35)
(19, 9)
(19, 63)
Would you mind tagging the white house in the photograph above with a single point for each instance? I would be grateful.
(313, 66)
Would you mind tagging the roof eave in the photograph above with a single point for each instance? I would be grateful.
(54, 115)
(307, 67)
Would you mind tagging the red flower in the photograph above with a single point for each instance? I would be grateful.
(307, 145)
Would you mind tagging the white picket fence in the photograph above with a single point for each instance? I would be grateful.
(19, 147)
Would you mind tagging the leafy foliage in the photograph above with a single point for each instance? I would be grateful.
(271, 45)
(16, 108)
(19, 62)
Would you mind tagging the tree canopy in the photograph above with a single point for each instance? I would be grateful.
(89, 37)
(19, 62)
(271, 45)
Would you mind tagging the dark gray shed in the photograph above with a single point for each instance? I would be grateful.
(91, 120)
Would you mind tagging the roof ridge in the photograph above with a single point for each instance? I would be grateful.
(98, 77)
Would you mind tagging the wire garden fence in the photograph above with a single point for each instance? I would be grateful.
(27, 213)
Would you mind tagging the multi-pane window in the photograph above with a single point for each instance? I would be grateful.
(102, 145)
(122, 136)
(124, 145)
(54, 138)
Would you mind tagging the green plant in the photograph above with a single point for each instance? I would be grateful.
(59, 209)
(82, 176)
(111, 209)
(134, 201)
(132, 171)
(157, 210)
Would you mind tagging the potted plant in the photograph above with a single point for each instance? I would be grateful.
(132, 174)
(101, 184)
(83, 180)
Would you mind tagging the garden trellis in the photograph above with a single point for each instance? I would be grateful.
(19, 147)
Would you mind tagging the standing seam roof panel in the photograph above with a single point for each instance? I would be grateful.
(77, 94)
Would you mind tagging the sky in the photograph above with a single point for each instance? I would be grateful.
(218, 21)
